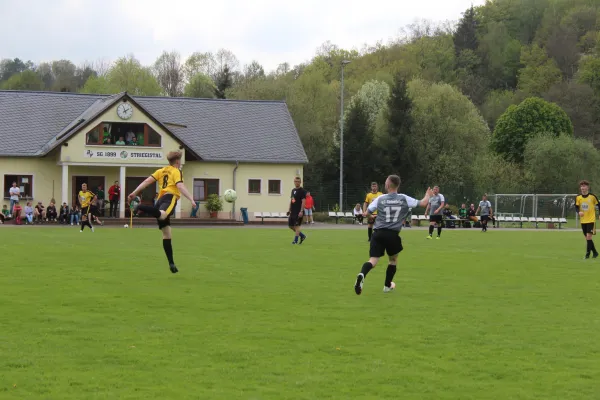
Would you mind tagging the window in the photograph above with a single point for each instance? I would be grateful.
(24, 182)
(274, 186)
(254, 186)
(126, 134)
(205, 187)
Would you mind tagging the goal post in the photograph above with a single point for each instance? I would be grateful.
(535, 205)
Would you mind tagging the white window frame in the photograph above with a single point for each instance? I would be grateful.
(18, 173)
(204, 178)
(280, 186)
(248, 187)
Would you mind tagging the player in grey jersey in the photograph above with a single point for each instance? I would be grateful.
(392, 209)
(486, 212)
(435, 207)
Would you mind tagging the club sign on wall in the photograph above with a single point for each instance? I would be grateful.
(124, 154)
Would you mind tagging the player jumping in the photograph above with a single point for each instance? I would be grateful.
(586, 204)
(435, 208)
(392, 209)
(86, 198)
(375, 193)
(297, 203)
(170, 180)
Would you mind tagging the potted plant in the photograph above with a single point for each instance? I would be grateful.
(214, 204)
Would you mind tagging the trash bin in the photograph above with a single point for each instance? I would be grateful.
(244, 214)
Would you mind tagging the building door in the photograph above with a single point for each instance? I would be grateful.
(147, 195)
(92, 181)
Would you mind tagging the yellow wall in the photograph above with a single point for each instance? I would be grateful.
(76, 149)
(46, 174)
(263, 202)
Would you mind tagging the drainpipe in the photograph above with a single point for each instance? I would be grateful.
(237, 164)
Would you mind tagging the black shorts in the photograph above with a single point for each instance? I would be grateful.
(587, 228)
(385, 241)
(485, 218)
(294, 220)
(94, 210)
(166, 203)
(435, 218)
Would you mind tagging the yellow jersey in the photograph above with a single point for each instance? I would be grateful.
(370, 197)
(85, 198)
(587, 204)
(168, 178)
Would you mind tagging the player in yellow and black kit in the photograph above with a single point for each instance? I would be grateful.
(375, 193)
(170, 182)
(586, 204)
(85, 198)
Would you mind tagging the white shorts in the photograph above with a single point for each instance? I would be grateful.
(308, 211)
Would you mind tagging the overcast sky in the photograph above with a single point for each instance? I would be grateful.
(270, 31)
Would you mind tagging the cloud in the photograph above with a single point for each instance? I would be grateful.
(270, 31)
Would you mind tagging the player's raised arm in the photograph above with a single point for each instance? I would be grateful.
(425, 200)
(186, 193)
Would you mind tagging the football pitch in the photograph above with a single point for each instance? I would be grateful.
(497, 315)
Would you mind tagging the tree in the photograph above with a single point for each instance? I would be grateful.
(398, 114)
(26, 80)
(200, 86)
(519, 124)
(253, 71)
(169, 73)
(589, 72)
(63, 72)
(99, 85)
(373, 96)
(580, 104)
(447, 130)
(225, 59)
(556, 164)
(199, 63)
(465, 36)
(224, 82)
(539, 73)
(491, 173)
(127, 74)
(500, 54)
(10, 67)
(496, 103)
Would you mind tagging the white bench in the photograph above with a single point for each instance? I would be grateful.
(269, 215)
(341, 215)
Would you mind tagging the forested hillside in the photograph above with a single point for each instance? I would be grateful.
(506, 99)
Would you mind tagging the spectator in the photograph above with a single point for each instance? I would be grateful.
(449, 217)
(75, 215)
(114, 194)
(309, 207)
(51, 214)
(5, 212)
(156, 199)
(39, 213)
(133, 142)
(358, 214)
(106, 139)
(472, 215)
(462, 214)
(28, 213)
(63, 218)
(16, 213)
(129, 136)
(100, 202)
(120, 142)
(15, 194)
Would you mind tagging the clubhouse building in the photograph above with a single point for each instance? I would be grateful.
(51, 143)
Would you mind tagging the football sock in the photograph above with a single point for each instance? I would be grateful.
(439, 230)
(366, 268)
(389, 275)
(150, 210)
(430, 230)
(370, 232)
(593, 247)
(89, 224)
(302, 235)
(296, 239)
(168, 250)
(83, 224)
(589, 246)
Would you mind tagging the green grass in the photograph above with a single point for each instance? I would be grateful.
(502, 315)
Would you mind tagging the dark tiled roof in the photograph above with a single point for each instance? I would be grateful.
(32, 123)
